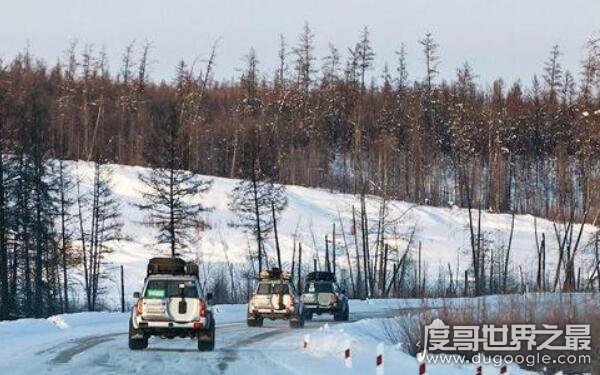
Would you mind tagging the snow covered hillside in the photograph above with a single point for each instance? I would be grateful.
(308, 217)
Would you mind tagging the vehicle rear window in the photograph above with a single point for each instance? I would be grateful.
(170, 289)
(320, 288)
(273, 288)
(264, 288)
(281, 289)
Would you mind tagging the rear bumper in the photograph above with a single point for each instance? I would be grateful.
(271, 314)
(321, 309)
(153, 327)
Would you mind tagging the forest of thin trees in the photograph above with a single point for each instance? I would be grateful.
(320, 122)
(522, 147)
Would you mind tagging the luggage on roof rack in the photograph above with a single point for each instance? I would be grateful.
(171, 266)
(320, 276)
(274, 273)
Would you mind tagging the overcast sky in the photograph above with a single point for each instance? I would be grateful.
(508, 38)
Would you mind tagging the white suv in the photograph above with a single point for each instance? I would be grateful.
(170, 306)
(275, 297)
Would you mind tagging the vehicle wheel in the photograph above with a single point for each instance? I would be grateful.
(308, 315)
(347, 314)
(297, 322)
(256, 322)
(206, 339)
(136, 344)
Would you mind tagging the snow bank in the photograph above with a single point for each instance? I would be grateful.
(325, 352)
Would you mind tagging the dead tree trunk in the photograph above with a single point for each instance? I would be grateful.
(358, 287)
(541, 257)
(384, 268)
(276, 235)
(327, 263)
(365, 243)
(506, 260)
(347, 255)
(333, 249)
(300, 268)
(597, 261)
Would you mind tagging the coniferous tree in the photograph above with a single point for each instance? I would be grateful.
(5, 300)
(100, 226)
(171, 191)
(65, 191)
(256, 202)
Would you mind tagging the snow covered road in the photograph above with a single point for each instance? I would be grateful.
(239, 349)
(96, 343)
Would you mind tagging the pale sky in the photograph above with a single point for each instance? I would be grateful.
(508, 38)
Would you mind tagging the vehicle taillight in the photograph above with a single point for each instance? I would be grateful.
(202, 308)
(139, 307)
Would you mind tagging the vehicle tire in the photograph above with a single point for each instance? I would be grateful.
(136, 344)
(308, 315)
(297, 322)
(256, 322)
(206, 339)
(347, 314)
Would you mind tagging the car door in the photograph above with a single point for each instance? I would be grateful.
(183, 305)
(281, 297)
(325, 293)
(262, 296)
(155, 301)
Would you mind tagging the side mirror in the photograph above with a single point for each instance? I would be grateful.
(209, 296)
(136, 295)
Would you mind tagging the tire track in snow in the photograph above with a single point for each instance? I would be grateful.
(81, 345)
(84, 344)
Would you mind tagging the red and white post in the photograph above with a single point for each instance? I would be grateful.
(379, 359)
(422, 369)
(347, 357)
(305, 341)
(503, 370)
(478, 371)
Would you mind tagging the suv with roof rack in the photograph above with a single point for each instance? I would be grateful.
(275, 297)
(171, 305)
(322, 295)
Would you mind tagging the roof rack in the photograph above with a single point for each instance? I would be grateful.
(320, 276)
(171, 266)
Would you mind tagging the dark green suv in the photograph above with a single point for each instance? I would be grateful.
(322, 295)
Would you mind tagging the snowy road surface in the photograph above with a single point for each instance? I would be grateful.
(96, 343)
(239, 349)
